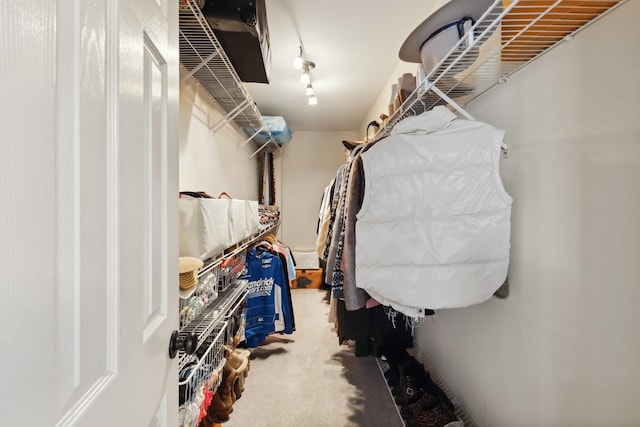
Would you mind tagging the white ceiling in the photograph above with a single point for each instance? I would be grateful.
(354, 44)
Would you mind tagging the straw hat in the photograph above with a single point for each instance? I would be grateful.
(189, 272)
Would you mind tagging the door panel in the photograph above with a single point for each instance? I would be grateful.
(155, 191)
(89, 212)
(86, 200)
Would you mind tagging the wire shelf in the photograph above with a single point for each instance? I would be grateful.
(242, 246)
(211, 317)
(206, 293)
(201, 374)
(211, 303)
(507, 37)
(203, 58)
(460, 412)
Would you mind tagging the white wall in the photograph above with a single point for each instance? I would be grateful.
(563, 349)
(213, 162)
(308, 163)
(381, 104)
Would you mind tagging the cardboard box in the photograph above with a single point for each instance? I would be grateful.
(308, 278)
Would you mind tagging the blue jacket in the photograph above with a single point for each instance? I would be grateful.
(268, 304)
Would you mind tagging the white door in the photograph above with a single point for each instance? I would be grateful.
(88, 212)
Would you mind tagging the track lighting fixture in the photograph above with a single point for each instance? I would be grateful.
(300, 63)
(305, 77)
(309, 90)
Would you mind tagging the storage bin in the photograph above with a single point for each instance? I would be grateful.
(306, 260)
(308, 278)
(204, 227)
(278, 128)
(210, 226)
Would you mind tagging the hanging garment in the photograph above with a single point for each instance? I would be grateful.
(276, 247)
(372, 329)
(323, 220)
(433, 229)
(334, 274)
(324, 205)
(289, 263)
(332, 220)
(268, 302)
(286, 259)
(354, 297)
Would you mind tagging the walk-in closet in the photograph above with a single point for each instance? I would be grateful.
(239, 213)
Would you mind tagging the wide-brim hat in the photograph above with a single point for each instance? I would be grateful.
(189, 286)
(188, 269)
(189, 264)
(450, 12)
(350, 144)
(188, 280)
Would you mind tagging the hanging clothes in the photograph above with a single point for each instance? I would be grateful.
(355, 298)
(333, 214)
(269, 306)
(370, 328)
(335, 242)
(324, 216)
(283, 252)
(433, 227)
(289, 263)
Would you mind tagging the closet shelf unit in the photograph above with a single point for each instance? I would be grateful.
(202, 57)
(228, 301)
(213, 325)
(507, 37)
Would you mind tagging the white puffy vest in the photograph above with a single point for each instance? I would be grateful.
(433, 230)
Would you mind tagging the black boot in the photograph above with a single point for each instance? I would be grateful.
(412, 368)
(401, 385)
(410, 393)
(432, 388)
(393, 375)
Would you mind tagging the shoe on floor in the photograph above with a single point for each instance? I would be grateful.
(426, 403)
(439, 416)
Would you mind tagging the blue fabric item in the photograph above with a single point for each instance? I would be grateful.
(278, 128)
(268, 303)
(291, 267)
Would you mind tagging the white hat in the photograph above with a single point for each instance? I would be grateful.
(451, 12)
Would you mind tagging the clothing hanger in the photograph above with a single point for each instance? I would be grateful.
(263, 246)
(462, 111)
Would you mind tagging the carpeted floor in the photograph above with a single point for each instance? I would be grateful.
(307, 380)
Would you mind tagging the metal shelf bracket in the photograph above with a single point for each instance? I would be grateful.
(230, 115)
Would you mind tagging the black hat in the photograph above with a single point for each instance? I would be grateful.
(350, 145)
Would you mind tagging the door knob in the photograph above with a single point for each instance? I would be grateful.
(188, 343)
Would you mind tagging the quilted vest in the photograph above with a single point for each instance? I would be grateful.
(434, 226)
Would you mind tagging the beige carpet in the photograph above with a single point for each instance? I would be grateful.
(306, 379)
